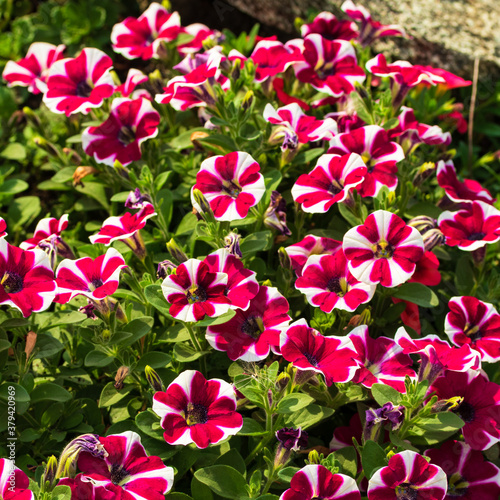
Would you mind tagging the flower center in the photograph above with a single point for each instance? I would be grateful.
(232, 188)
(382, 250)
(465, 411)
(12, 282)
(405, 491)
(311, 358)
(126, 135)
(196, 294)
(457, 486)
(476, 236)
(335, 187)
(472, 332)
(118, 474)
(83, 89)
(337, 286)
(196, 414)
(253, 326)
(96, 283)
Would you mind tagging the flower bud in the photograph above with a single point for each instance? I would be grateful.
(424, 172)
(73, 155)
(290, 439)
(165, 267)
(80, 173)
(46, 146)
(282, 381)
(136, 199)
(121, 374)
(67, 461)
(232, 243)
(88, 310)
(49, 474)
(154, 379)
(313, 457)
(375, 418)
(248, 100)
(447, 404)
(195, 139)
(433, 238)
(422, 223)
(30, 343)
(284, 259)
(201, 204)
(176, 251)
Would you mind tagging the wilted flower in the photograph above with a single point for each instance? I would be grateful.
(377, 417)
(275, 215)
(232, 244)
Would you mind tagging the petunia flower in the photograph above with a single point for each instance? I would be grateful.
(370, 29)
(329, 27)
(478, 405)
(407, 476)
(142, 37)
(196, 87)
(119, 138)
(32, 71)
(328, 284)
(271, 58)
(125, 472)
(26, 279)
(308, 350)
(316, 481)
(196, 410)
(232, 184)
(426, 270)
(199, 33)
(125, 228)
(94, 278)
(242, 285)
(3, 228)
(470, 476)
(476, 324)
(379, 154)
(329, 182)
(383, 250)
(194, 291)
(329, 66)
(437, 356)
(460, 192)
(295, 127)
(451, 81)
(14, 482)
(382, 360)
(472, 227)
(253, 332)
(310, 245)
(134, 77)
(79, 84)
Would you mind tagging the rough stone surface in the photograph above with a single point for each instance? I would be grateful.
(446, 33)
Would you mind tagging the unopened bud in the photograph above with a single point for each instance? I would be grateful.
(447, 404)
(248, 100)
(201, 204)
(30, 343)
(73, 155)
(282, 381)
(49, 474)
(121, 374)
(284, 259)
(236, 71)
(433, 238)
(422, 223)
(46, 146)
(313, 458)
(176, 251)
(153, 379)
(165, 268)
(424, 172)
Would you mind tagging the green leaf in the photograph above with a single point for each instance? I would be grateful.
(49, 391)
(110, 395)
(224, 481)
(149, 423)
(464, 275)
(423, 208)
(137, 328)
(255, 242)
(434, 429)
(98, 358)
(179, 496)
(22, 211)
(294, 402)
(348, 460)
(372, 458)
(308, 416)
(219, 320)
(251, 428)
(14, 151)
(47, 346)
(14, 323)
(4, 345)
(21, 396)
(348, 215)
(185, 353)
(61, 318)
(176, 333)
(219, 143)
(384, 393)
(233, 459)
(418, 294)
(61, 492)
(155, 297)
(154, 359)
(64, 175)
(287, 473)
(13, 186)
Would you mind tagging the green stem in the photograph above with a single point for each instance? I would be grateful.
(194, 340)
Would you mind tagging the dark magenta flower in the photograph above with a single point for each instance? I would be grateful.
(383, 250)
(32, 71)
(408, 476)
(142, 37)
(470, 476)
(329, 27)
(26, 279)
(476, 324)
(196, 410)
(478, 405)
(194, 291)
(119, 138)
(254, 331)
(272, 58)
(16, 489)
(79, 84)
(317, 482)
(308, 350)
